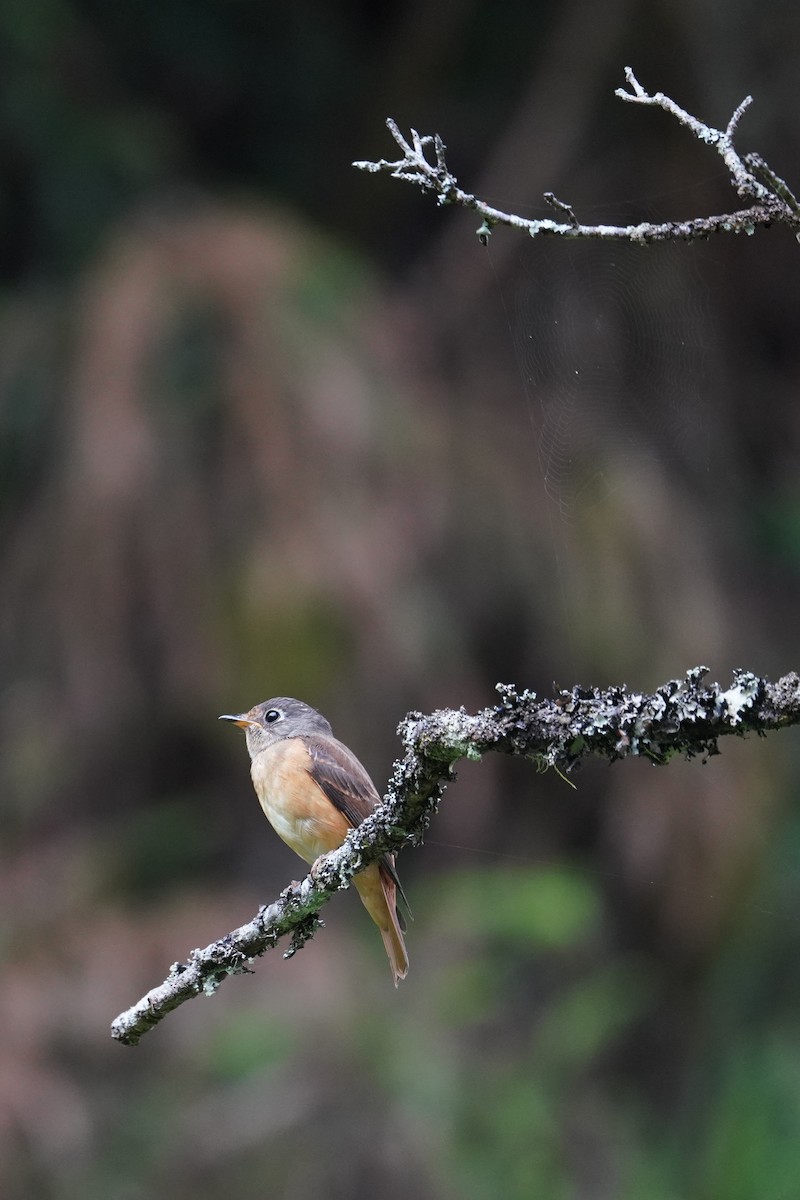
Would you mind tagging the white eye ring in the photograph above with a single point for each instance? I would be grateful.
(273, 715)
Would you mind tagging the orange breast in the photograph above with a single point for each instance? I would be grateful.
(296, 808)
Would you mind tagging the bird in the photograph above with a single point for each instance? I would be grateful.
(312, 789)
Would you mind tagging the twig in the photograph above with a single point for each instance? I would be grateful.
(772, 200)
(685, 716)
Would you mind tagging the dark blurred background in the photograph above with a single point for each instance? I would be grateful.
(274, 426)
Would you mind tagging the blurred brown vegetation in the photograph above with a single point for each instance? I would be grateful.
(270, 426)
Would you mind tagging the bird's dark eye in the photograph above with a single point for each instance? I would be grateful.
(272, 715)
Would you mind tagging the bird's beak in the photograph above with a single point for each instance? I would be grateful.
(240, 719)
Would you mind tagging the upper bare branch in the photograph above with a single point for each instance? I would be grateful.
(771, 199)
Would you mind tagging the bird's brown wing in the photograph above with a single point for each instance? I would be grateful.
(349, 788)
(342, 778)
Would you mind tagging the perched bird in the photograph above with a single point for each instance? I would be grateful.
(312, 790)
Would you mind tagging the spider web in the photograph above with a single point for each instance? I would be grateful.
(612, 344)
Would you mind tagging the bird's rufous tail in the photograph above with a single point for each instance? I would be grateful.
(379, 896)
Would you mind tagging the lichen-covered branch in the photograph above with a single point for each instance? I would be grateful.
(685, 716)
(770, 198)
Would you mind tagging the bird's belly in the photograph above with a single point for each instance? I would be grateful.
(296, 808)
